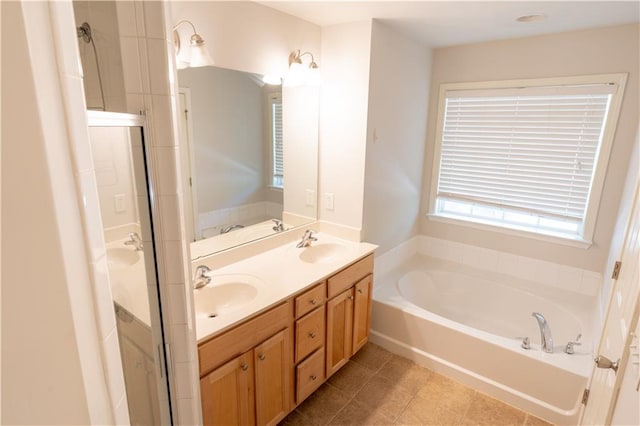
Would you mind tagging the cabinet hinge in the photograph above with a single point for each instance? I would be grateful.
(616, 270)
(585, 396)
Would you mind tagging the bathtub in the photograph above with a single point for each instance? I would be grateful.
(469, 324)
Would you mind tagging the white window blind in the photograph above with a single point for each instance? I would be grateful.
(524, 156)
(277, 155)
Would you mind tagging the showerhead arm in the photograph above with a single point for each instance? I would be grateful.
(84, 32)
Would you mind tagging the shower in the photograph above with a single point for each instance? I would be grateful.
(84, 32)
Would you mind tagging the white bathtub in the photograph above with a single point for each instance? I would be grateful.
(469, 324)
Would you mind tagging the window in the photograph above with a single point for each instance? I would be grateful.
(277, 156)
(526, 155)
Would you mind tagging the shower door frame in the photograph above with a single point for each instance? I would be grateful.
(162, 349)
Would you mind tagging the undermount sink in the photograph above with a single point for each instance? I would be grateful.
(322, 253)
(226, 293)
(122, 257)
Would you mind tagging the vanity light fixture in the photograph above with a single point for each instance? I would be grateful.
(298, 73)
(198, 54)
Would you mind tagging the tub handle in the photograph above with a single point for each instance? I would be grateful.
(526, 344)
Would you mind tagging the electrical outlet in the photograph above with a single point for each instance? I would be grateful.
(329, 200)
(118, 201)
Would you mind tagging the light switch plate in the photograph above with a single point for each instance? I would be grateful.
(118, 201)
(311, 197)
(329, 200)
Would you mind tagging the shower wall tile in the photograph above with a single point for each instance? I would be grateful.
(177, 310)
(144, 65)
(135, 103)
(549, 273)
(173, 262)
(138, 6)
(182, 372)
(162, 121)
(170, 217)
(182, 343)
(126, 13)
(591, 283)
(166, 161)
(129, 51)
(158, 64)
(154, 19)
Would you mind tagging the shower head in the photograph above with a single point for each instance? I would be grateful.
(84, 32)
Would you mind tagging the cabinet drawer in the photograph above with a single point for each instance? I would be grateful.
(349, 276)
(309, 333)
(216, 351)
(309, 375)
(310, 299)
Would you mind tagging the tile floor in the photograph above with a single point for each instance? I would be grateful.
(379, 388)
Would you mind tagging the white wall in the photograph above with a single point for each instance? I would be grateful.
(398, 97)
(596, 51)
(227, 112)
(247, 36)
(346, 52)
(42, 375)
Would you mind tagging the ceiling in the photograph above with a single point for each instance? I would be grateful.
(447, 23)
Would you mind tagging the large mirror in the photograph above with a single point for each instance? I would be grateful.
(249, 157)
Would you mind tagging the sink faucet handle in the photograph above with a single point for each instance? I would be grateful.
(201, 278)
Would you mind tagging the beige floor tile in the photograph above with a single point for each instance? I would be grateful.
(534, 421)
(356, 413)
(427, 412)
(295, 418)
(404, 372)
(450, 394)
(323, 404)
(351, 378)
(372, 356)
(385, 397)
(491, 412)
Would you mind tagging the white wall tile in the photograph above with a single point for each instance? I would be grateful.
(529, 268)
(126, 13)
(166, 162)
(173, 261)
(154, 19)
(140, 24)
(186, 413)
(548, 273)
(569, 278)
(591, 283)
(508, 264)
(481, 258)
(129, 50)
(161, 120)
(177, 304)
(144, 65)
(170, 217)
(182, 372)
(182, 340)
(158, 63)
(135, 103)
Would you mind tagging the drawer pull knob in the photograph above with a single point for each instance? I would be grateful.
(261, 357)
(350, 297)
(313, 377)
(313, 301)
(312, 335)
(244, 366)
(360, 290)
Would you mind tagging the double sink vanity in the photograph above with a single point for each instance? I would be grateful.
(273, 327)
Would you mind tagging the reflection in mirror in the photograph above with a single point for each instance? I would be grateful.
(238, 161)
(121, 179)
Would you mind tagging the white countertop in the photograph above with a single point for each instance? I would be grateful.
(281, 273)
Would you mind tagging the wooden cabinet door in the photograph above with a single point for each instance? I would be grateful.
(227, 393)
(339, 330)
(361, 312)
(273, 363)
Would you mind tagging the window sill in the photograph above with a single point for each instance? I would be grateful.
(567, 241)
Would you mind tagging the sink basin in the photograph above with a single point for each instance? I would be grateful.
(322, 253)
(226, 293)
(122, 257)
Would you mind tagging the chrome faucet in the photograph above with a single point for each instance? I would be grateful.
(228, 228)
(569, 348)
(278, 227)
(545, 333)
(201, 278)
(307, 238)
(134, 240)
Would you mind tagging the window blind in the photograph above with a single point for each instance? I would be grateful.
(532, 149)
(278, 155)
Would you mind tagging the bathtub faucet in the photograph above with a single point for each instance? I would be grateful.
(545, 333)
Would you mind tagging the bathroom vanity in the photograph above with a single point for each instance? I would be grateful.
(258, 368)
